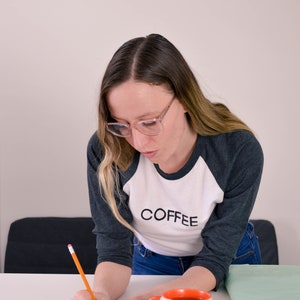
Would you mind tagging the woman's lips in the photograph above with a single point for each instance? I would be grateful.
(149, 154)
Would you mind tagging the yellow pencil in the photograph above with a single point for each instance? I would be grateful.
(79, 268)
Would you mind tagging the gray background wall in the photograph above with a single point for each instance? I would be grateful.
(53, 54)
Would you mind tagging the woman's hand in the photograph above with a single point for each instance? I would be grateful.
(110, 282)
(82, 295)
(85, 295)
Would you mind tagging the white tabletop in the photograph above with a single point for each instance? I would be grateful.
(62, 287)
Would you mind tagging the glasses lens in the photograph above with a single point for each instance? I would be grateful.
(149, 127)
(118, 129)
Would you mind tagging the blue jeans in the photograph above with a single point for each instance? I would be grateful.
(146, 262)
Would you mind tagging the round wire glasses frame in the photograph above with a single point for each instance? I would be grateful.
(149, 127)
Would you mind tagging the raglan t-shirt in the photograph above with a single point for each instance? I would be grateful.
(201, 210)
(168, 215)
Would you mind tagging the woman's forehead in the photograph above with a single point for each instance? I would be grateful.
(137, 99)
(137, 89)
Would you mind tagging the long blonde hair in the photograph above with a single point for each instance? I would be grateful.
(153, 59)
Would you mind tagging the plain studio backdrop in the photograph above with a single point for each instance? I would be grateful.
(52, 58)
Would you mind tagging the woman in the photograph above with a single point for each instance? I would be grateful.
(168, 167)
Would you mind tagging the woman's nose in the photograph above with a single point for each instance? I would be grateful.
(138, 139)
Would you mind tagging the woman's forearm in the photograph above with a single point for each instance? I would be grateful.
(195, 277)
(110, 280)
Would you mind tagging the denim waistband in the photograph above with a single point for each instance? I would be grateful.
(250, 230)
(144, 252)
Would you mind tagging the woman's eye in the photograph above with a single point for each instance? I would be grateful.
(148, 123)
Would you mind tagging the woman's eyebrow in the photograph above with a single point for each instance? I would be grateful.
(145, 115)
(116, 118)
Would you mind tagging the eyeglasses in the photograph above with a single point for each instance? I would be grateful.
(148, 127)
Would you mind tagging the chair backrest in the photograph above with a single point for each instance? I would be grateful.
(39, 245)
(266, 233)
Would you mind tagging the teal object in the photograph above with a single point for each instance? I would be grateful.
(263, 282)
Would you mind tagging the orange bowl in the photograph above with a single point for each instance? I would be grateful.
(183, 294)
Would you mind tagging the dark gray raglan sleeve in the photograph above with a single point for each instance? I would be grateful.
(113, 240)
(227, 223)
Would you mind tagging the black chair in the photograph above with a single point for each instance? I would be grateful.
(39, 245)
(266, 233)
